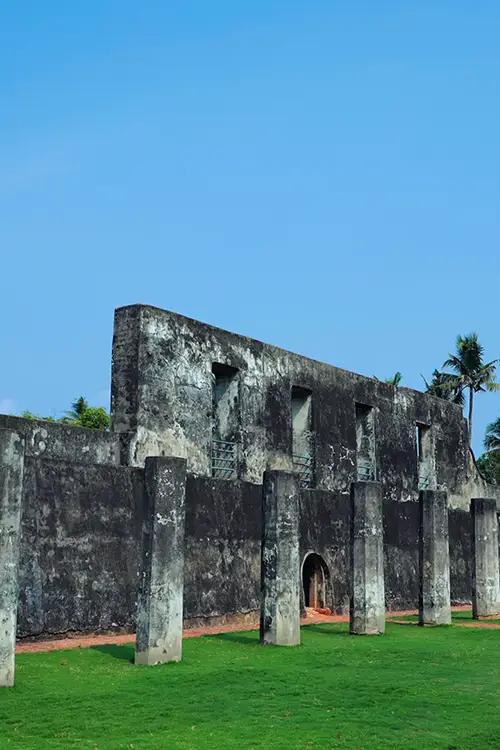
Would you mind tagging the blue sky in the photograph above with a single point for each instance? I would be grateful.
(320, 175)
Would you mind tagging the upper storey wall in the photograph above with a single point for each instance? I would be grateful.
(56, 441)
(163, 397)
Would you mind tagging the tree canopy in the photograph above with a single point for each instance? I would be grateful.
(80, 415)
(470, 375)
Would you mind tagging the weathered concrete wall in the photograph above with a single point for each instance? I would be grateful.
(401, 555)
(81, 537)
(81, 543)
(222, 556)
(325, 530)
(162, 403)
(459, 528)
(83, 508)
(52, 440)
(79, 549)
(401, 563)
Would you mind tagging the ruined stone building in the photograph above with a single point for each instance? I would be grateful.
(233, 407)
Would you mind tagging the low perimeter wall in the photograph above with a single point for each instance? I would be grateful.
(81, 535)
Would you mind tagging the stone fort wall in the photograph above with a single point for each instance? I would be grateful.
(81, 536)
(84, 497)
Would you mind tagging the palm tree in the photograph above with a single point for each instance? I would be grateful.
(492, 439)
(471, 373)
(444, 385)
(78, 407)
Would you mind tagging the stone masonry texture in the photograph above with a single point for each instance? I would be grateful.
(160, 602)
(11, 478)
(485, 576)
(84, 499)
(367, 560)
(280, 570)
(434, 603)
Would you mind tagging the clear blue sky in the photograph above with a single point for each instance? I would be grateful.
(320, 175)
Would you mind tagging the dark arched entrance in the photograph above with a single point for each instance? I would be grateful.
(314, 578)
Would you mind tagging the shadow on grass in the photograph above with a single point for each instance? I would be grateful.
(251, 638)
(328, 629)
(125, 653)
(247, 638)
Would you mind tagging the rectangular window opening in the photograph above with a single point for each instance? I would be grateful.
(302, 435)
(425, 457)
(365, 443)
(225, 421)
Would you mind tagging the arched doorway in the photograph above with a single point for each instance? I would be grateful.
(314, 578)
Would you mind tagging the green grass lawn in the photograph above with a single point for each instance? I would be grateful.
(459, 616)
(412, 688)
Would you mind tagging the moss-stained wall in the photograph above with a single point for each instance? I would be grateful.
(83, 490)
(81, 535)
(162, 403)
(79, 558)
(54, 440)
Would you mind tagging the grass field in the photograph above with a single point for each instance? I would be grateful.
(462, 615)
(412, 688)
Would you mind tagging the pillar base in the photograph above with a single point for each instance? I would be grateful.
(158, 655)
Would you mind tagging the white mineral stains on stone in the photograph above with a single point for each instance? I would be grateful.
(162, 520)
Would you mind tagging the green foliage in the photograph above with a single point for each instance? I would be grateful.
(444, 385)
(80, 415)
(78, 408)
(428, 688)
(30, 415)
(469, 367)
(470, 374)
(489, 466)
(492, 438)
(395, 380)
(94, 417)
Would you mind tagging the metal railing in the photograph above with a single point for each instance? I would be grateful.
(365, 470)
(305, 469)
(224, 459)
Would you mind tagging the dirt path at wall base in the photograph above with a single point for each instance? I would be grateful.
(118, 639)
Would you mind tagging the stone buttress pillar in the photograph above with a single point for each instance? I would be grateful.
(485, 571)
(280, 565)
(434, 557)
(367, 559)
(160, 602)
(11, 486)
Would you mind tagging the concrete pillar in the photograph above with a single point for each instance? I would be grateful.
(367, 559)
(11, 487)
(485, 572)
(280, 566)
(160, 604)
(434, 601)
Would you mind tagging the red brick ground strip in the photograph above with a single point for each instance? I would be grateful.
(312, 618)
